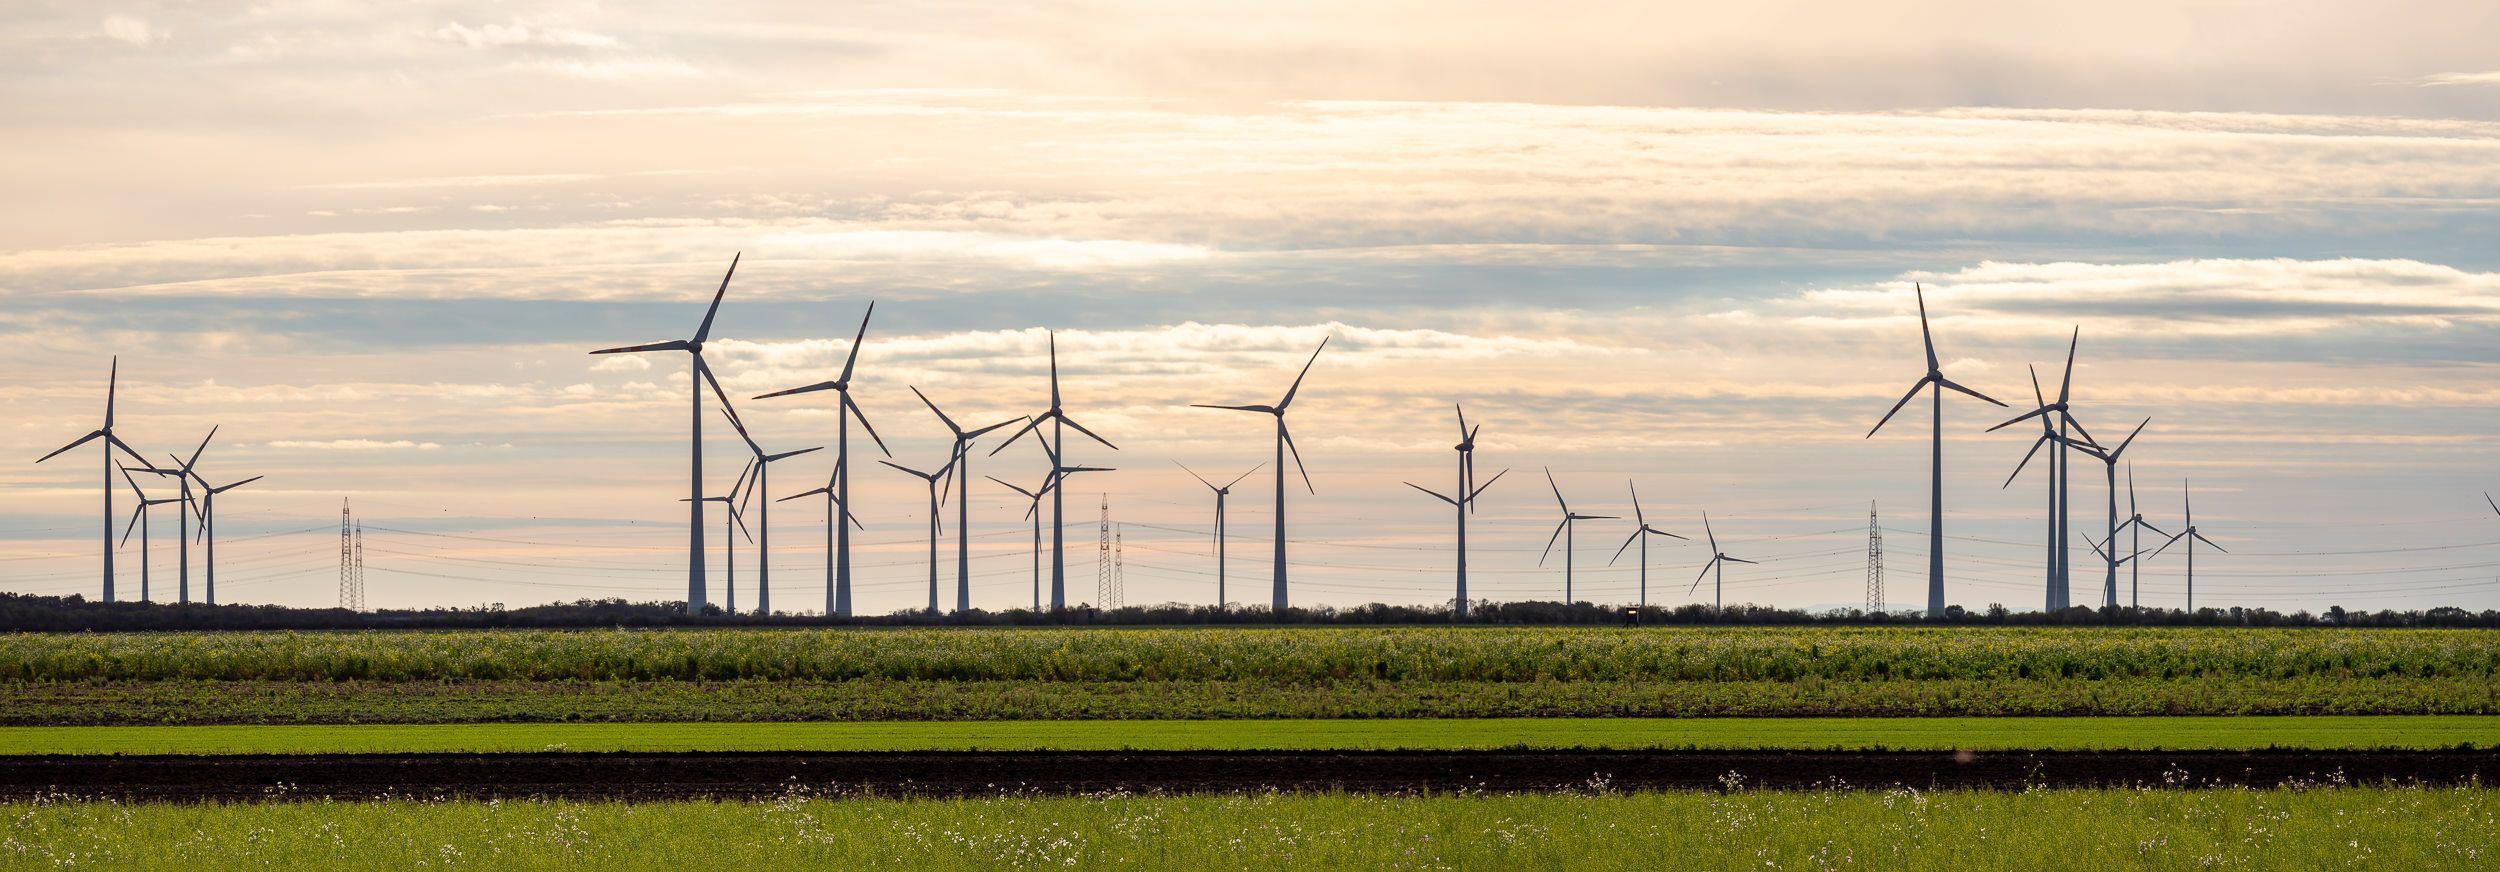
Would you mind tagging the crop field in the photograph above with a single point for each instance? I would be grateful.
(1233, 673)
(1839, 734)
(2309, 827)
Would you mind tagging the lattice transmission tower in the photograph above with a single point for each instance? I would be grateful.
(1874, 561)
(1106, 577)
(351, 559)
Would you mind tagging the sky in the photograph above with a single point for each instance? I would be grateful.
(1645, 246)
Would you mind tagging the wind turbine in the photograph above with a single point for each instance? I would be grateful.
(1641, 533)
(1054, 446)
(2060, 585)
(1716, 569)
(2109, 462)
(1284, 441)
(2136, 524)
(140, 515)
(698, 373)
(1220, 494)
(208, 523)
(936, 524)
(963, 497)
(2495, 504)
(181, 472)
(735, 523)
(2187, 530)
(1465, 502)
(1935, 518)
(1033, 512)
(112, 386)
(834, 509)
(838, 563)
(762, 467)
(1563, 530)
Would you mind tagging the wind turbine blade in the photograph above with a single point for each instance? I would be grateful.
(1434, 494)
(1281, 405)
(2066, 385)
(2131, 493)
(132, 525)
(941, 413)
(862, 415)
(2071, 421)
(2200, 537)
(770, 458)
(1946, 382)
(1029, 424)
(2027, 455)
(2149, 526)
(1636, 503)
(968, 436)
(850, 359)
(1263, 409)
(1926, 338)
(220, 490)
(195, 453)
(705, 331)
(1706, 531)
(1740, 560)
(82, 440)
(1671, 535)
(2026, 416)
(1106, 443)
(1550, 540)
(112, 386)
(738, 518)
(825, 491)
(2495, 506)
(1237, 479)
(2165, 546)
(819, 386)
(2130, 440)
(1558, 497)
(1194, 474)
(1627, 543)
(671, 345)
(1896, 407)
(1286, 433)
(1054, 372)
(2096, 547)
(1488, 483)
(1027, 494)
(727, 409)
(914, 472)
(1705, 573)
(117, 442)
(1463, 435)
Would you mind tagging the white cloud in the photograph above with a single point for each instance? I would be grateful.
(499, 35)
(131, 29)
(2450, 79)
(621, 363)
(353, 445)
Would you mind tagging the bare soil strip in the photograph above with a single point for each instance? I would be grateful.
(641, 776)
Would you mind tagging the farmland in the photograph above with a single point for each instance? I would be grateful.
(2310, 827)
(794, 675)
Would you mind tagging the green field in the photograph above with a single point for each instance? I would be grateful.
(1234, 673)
(2304, 829)
(2166, 733)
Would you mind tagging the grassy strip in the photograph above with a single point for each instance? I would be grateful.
(2185, 733)
(417, 702)
(2385, 828)
(1290, 656)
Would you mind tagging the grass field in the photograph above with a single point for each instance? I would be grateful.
(2163, 733)
(2316, 828)
(1295, 655)
(1235, 672)
(418, 702)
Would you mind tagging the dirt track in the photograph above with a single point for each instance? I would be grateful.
(741, 775)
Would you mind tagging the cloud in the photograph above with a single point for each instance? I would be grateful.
(613, 69)
(131, 29)
(502, 35)
(2207, 297)
(352, 445)
(621, 363)
(2440, 80)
